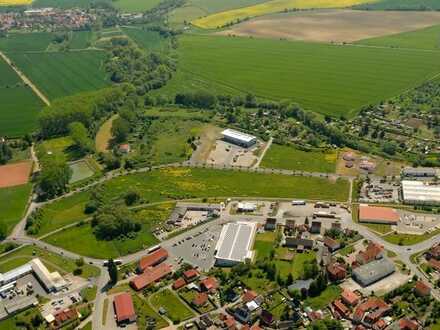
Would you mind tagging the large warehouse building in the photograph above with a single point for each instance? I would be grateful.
(239, 138)
(376, 214)
(235, 243)
(373, 271)
(419, 192)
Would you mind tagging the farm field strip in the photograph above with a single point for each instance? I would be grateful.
(274, 6)
(348, 77)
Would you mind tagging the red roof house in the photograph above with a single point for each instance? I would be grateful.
(372, 309)
(190, 275)
(179, 283)
(373, 251)
(349, 297)
(407, 324)
(332, 244)
(209, 284)
(153, 259)
(64, 317)
(249, 295)
(340, 308)
(336, 271)
(150, 276)
(124, 308)
(422, 289)
(201, 299)
(376, 214)
(434, 263)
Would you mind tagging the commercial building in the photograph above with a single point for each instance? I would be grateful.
(53, 282)
(153, 259)
(372, 272)
(239, 138)
(124, 308)
(376, 214)
(420, 192)
(235, 243)
(150, 276)
(420, 172)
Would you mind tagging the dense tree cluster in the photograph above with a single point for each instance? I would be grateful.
(54, 177)
(80, 137)
(146, 71)
(5, 152)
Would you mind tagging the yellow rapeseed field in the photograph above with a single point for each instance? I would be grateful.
(274, 6)
(15, 2)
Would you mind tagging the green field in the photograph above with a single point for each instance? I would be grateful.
(280, 70)
(82, 240)
(52, 261)
(146, 39)
(193, 9)
(408, 239)
(62, 145)
(65, 4)
(176, 310)
(59, 74)
(402, 5)
(144, 312)
(21, 42)
(428, 38)
(289, 158)
(184, 183)
(80, 39)
(135, 6)
(14, 200)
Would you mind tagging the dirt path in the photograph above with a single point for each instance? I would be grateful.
(25, 79)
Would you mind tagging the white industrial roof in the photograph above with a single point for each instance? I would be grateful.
(235, 241)
(238, 135)
(420, 191)
(51, 280)
(16, 273)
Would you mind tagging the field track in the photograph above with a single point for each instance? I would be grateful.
(15, 174)
(25, 79)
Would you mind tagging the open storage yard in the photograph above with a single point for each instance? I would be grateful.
(264, 67)
(333, 25)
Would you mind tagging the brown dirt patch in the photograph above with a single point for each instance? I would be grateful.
(334, 25)
(15, 174)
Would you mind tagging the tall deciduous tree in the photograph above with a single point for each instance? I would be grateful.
(55, 175)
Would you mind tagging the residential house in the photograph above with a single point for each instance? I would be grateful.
(336, 272)
(331, 244)
(373, 251)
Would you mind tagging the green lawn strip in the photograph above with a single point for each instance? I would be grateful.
(408, 239)
(377, 227)
(105, 311)
(176, 310)
(144, 312)
(14, 200)
(52, 261)
(82, 240)
(89, 294)
(88, 326)
(290, 158)
(346, 250)
(326, 297)
(427, 38)
(264, 67)
(186, 183)
(257, 281)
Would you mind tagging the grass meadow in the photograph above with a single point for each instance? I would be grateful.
(135, 6)
(150, 40)
(290, 158)
(185, 183)
(428, 38)
(274, 6)
(21, 42)
(14, 201)
(331, 293)
(59, 74)
(52, 261)
(401, 5)
(329, 79)
(177, 311)
(64, 4)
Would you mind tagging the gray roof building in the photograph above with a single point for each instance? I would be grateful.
(372, 272)
(427, 172)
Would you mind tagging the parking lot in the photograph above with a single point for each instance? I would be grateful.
(380, 191)
(228, 154)
(197, 249)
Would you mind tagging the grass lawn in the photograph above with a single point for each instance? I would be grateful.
(82, 240)
(88, 326)
(60, 145)
(296, 267)
(176, 310)
(144, 312)
(427, 38)
(257, 282)
(150, 40)
(105, 311)
(378, 227)
(185, 183)
(52, 261)
(15, 322)
(15, 200)
(52, 71)
(346, 250)
(89, 294)
(104, 135)
(264, 244)
(265, 68)
(80, 170)
(408, 239)
(269, 7)
(290, 158)
(326, 297)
